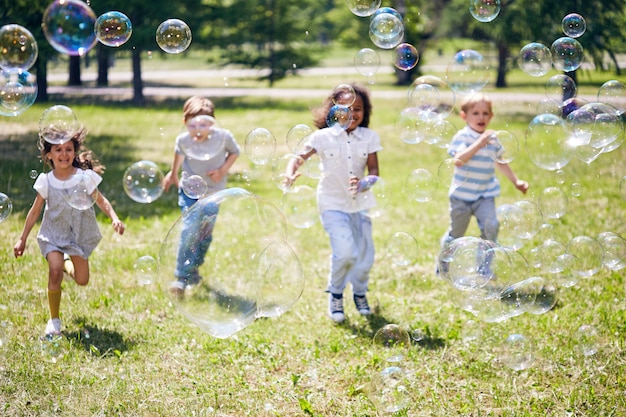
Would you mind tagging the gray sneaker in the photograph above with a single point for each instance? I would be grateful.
(335, 307)
(361, 304)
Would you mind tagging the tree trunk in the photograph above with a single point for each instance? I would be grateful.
(103, 65)
(41, 68)
(74, 79)
(138, 97)
(503, 54)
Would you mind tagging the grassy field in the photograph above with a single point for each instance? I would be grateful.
(128, 351)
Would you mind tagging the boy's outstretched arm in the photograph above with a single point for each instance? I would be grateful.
(508, 172)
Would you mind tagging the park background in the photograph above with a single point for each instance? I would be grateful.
(129, 351)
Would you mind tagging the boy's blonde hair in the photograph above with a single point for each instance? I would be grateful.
(474, 98)
(198, 106)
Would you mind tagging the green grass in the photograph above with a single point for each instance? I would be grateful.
(130, 352)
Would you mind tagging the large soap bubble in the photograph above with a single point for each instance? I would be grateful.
(560, 88)
(363, 8)
(589, 255)
(607, 124)
(58, 124)
(18, 91)
(406, 57)
(113, 29)
(386, 28)
(614, 246)
(567, 54)
(535, 59)
(80, 190)
(249, 271)
(394, 340)
(300, 206)
(173, 36)
(143, 182)
(6, 207)
(18, 47)
(484, 10)
(613, 93)
(517, 352)
(420, 185)
(367, 62)
(431, 93)
(389, 390)
(401, 248)
(69, 26)
(260, 146)
(547, 142)
(467, 72)
(574, 25)
(553, 203)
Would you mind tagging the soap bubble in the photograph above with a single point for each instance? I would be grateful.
(517, 352)
(406, 57)
(401, 248)
(113, 29)
(506, 146)
(143, 182)
(471, 331)
(588, 340)
(484, 10)
(567, 54)
(560, 88)
(589, 255)
(53, 347)
(339, 117)
(579, 124)
(571, 104)
(68, 26)
(520, 296)
(363, 8)
(553, 203)
(375, 199)
(224, 290)
(420, 185)
(547, 142)
(18, 91)
(173, 36)
(33, 174)
(614, 246)
(260, 146)
(607, 124)
(431, 93)
(343, 95)
(300, 206)
(145, 268)
(80, 190)
(394, 340)
(367, 62)
(194, 186)
(58, 124)
(545, 299)
(446, 173)
(6, 207)
(574, 25)
(465, 262)
(511, 220)
(280, 166)
(386, 29)
(531, 217)
(297, 137)
(18, 48)
(467, 72)
(613, 93)
(535, 59)
(563, 270)
(389, 390)
(199, 129)
(588, 153)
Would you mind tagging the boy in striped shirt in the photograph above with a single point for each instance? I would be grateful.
(475, 185)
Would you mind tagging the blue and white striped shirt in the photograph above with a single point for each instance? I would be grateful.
(476, 178)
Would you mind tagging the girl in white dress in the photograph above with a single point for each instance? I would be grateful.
(65, 229)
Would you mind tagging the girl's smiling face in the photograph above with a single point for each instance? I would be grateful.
(62, 156)
(357, 113)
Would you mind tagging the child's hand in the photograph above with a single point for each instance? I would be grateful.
(487, 137)
(18, 249)
(216, 175)
(118, 226)
(169, 180)
(522, 186)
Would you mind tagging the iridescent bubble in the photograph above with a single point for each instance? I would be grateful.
(173, 36)
(401, 248)
(297, 136)
(574, 25)
(547, 142)
(589, 255)
(567, 54)
(572, 104)
(484, 10)
(113, 28)
(553, 203)
(389, 390)
(466, 263)
(18, 48)
(260, 146)
(406, 57)
(431, 93)
(535, 59)
(517, 352)
(194, 186)
(6, 207)
(339, 117)
(224, 291)
(145, 268)
(545, 300)
(520, 296)
(300, 206)
(406, 125)
(614, 246)
(143, 182)
(560, 87)
(343, 95)
(467, 72)
(394, 340)
(68, 26)
(588, 340)
(58, 124)
(367, 62)
(363, 8)
(33, 174)
(198, 130)
(607, 124)
(80, 191)
(386, 29)
(18, 91)
(420, 185)
(505, 146)
(580, 125)
(441, 132)
(613, 93)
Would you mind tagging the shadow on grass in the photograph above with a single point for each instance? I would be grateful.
(97, 341)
